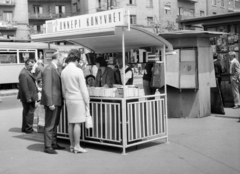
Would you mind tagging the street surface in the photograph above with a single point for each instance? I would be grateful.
(209, 145)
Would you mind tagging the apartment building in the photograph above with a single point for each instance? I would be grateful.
(41, 10)
(155, 15)
(215, 7)
(14, 19)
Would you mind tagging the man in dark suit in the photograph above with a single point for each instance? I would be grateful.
(28, 95)
(52, 101)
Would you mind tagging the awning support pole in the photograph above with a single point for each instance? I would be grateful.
(124, 124)
(165, 89)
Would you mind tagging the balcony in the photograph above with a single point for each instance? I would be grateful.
(7, 3)
(102, 8)
(234, 6)
(181, 17)
(192, 1)
(46, 16)
(8, 25)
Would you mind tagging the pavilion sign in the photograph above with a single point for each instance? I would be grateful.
(104, 19)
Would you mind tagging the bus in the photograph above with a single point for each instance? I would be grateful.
(12, 59)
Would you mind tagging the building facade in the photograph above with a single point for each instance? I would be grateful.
(41, 10)
(13, 19)
(158, 15)
(154, 15)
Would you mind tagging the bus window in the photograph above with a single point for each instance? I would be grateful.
(8, 57)
(23, 55)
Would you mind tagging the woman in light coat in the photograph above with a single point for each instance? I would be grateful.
(76, 96)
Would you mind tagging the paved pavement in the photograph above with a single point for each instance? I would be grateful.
(209, 145)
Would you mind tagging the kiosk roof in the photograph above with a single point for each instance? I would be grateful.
(107, 39)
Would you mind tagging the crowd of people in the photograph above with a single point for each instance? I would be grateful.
(63, 79)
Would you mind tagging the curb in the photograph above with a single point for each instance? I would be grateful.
(8, 93)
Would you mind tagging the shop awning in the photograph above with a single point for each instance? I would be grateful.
(108, 39)
(190, 33)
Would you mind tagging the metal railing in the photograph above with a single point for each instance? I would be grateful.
(145, 121)
(7, 2)
(8, 24)
(47, 16)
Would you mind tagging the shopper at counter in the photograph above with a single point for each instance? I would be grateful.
(105, 75)
(28, 95)
(52, 101)
(76, 96)
(234, 78)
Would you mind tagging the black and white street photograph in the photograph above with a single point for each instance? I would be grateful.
(119, 86)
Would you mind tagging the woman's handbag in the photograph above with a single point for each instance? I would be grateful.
(157, 80)
(89, 122)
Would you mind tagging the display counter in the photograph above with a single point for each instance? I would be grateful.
(126, 119)
(138, 121)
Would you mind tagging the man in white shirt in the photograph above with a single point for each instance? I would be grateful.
(234, 77)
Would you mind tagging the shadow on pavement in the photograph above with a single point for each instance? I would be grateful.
(36, 147)
(32, 137)
(15, 129)
(233, 117)
(118, 150)
(144, 146)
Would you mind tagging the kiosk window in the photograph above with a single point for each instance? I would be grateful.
(8, 58)
(188, 76)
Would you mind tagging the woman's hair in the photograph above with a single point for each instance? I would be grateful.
(73, 55)
(102, 62)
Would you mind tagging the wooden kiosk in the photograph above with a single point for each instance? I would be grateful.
(117, 121)
(190, 73)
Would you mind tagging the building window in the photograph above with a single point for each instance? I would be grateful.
(60, 9)
(191, 12)
(237, 4)
(202, 13)
(37, 9)
(133, 19)
(222, 3)
(75, 7)
(214, 2)
(103, 4)
(149, 3)
(180, 11)
(167, 9)
(113, 3)
(149, 21)
(214, 13)
(7, 16)
(133, 2)
(8, 57)
(99, 4)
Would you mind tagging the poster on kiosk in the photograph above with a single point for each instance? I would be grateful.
(123, 115)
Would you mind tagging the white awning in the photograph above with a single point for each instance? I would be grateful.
(108, 39)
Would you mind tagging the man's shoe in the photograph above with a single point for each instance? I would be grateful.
(50, 151)
(236, 107)
(57, 147)
(29, 131)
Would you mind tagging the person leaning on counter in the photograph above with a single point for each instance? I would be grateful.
(105, 75)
